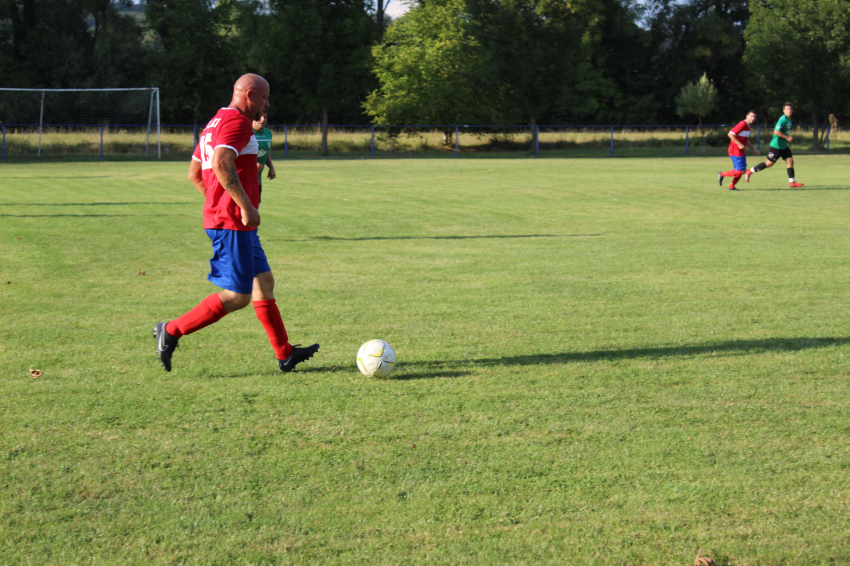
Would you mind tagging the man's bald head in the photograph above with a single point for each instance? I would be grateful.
(251, 95)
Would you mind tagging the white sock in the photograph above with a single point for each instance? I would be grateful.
(791, 180)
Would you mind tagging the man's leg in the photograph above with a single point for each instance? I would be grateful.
(266, 308)
(231, 269)
(789, 167)
(735, 179)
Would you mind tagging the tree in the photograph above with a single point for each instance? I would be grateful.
(323, 49)
(68, 44)
(800, 51)
(540, 54)
(697, 98)
(695, 37)
(191, 57)
(430, 70)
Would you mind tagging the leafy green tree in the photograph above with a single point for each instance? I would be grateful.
(697, 98)
(800, 51)
(540, 54)
(191, 57)
(624, 55)
(693, 37)
(431, 70)
(68, 44)
(323, 50)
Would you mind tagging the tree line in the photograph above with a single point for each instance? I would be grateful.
(444, 61)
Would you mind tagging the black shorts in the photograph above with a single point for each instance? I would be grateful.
(775, 153)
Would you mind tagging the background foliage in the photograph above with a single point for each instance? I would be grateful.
(444, 61)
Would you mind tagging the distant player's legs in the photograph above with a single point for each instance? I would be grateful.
(739, 165)
(789, 167)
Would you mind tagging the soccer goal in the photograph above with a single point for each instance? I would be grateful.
(74, 121)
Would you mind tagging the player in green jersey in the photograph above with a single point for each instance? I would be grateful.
(264, 140)
(779, 147)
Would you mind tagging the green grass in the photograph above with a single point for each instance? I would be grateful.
(600, 362)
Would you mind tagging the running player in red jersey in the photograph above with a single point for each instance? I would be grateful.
(224, 170)
(740, 136)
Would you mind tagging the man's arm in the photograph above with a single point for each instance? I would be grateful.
(224, 167)
(197, 177)
(735, 140)
(752, 147)
(272, 173)
(781, 135)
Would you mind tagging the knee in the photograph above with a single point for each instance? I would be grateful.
(234, 301)
(264, 286)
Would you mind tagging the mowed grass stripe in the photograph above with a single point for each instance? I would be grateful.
(599, 362)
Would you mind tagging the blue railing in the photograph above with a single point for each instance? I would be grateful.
(457, 131)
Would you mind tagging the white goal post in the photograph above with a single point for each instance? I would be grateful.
(152, 120)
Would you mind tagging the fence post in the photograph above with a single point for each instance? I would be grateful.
(194, 135)
(4, 142)
(537, 141)
(101, 142)
(687, 140)
(759, 142)
(286, 141)
(612, 141)
(373, 141)
(457, 135)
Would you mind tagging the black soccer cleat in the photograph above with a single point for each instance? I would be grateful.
(297, 356)
(165, 344)
(720, 179)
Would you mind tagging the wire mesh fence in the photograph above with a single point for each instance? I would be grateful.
(29, 142)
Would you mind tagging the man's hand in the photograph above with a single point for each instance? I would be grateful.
(789, 138)
(757, 151)
(272, 173)
(250, 217)
(741, 146)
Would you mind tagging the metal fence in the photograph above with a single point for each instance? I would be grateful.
(134, 140)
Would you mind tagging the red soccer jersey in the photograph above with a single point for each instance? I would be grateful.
(742, 134)
(232, 129)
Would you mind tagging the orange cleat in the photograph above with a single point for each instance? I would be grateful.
(747, 174)
(795, 185)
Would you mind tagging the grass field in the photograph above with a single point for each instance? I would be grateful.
(600, 362)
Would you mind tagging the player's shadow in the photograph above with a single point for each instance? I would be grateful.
(433, 369)
(380, 238)
(732, 347)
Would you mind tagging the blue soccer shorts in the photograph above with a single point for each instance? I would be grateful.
(739, 163)
(237, 258)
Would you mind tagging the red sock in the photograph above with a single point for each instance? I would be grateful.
(208, 311)
(732, 173)
(269, 315)
(735, 179)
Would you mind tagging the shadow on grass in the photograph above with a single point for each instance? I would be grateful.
(803, 189)
(507, 236)
(730, 347)
(90, 203)
(444, 368)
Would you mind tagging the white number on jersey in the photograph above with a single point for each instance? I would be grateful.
(206, 151)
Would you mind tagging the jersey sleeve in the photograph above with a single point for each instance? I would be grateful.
(196, 155)
(779, 124)
(234, 134)
(737, 129)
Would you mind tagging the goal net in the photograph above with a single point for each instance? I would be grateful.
(80, 121)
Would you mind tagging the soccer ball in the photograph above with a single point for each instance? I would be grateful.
(376, 358)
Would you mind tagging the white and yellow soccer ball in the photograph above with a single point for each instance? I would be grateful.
(376, 358)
